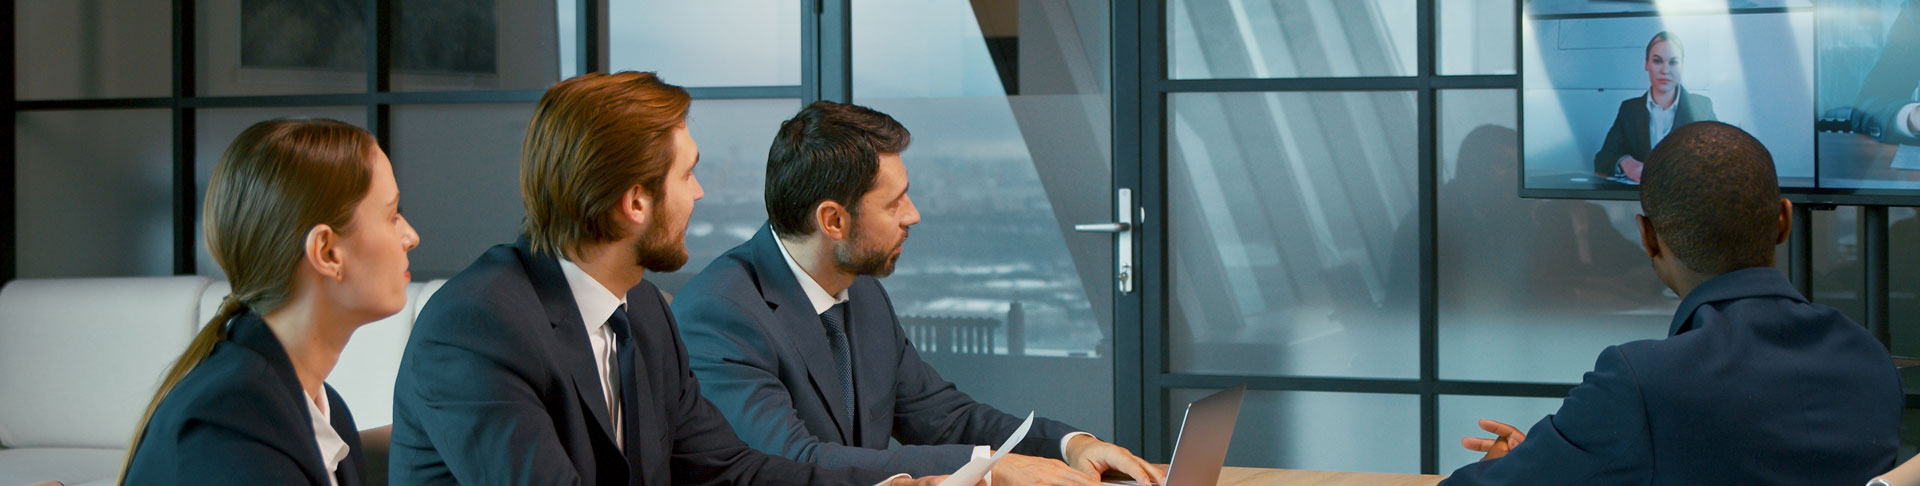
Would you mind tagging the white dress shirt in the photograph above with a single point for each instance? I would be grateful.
(1660, 120)
(822, 301)
(597, 304)
(332, 448)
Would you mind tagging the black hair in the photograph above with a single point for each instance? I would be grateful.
(828, 152)
(1710, 190)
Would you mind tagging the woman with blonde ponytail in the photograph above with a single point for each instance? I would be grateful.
(303, 215)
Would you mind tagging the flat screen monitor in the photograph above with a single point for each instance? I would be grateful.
(1868, 130)
(1603, 81)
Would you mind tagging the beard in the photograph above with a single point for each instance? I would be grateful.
(662, 247)
(855, 257)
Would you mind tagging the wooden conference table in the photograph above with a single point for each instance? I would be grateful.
(1249, 476)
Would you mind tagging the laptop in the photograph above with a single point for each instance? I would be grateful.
(1201, 448)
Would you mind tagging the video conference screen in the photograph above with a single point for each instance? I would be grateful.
(1829, 86)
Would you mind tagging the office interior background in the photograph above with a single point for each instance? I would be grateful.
(1324, 191)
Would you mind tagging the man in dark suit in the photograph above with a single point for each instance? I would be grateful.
(1643, 120)
(550, 361)
(795, 340)
(1753, 385)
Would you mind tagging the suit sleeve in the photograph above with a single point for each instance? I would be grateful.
(1606, 162)
(929, 410)
(707, 451)
(474, 391)
(1890, 85)
(739, 372)
(1600, 435)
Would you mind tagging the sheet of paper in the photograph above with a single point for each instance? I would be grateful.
(1907, 157)
(977, 469)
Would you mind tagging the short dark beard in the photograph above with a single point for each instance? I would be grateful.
(851, 257)
(661, 248)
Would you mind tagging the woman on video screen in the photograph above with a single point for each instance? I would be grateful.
(1644, 120)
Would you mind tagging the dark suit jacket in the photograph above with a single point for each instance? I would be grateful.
(762, 356)
(240, 418)
(498, 386)
(1754, 386)
(1890, 85)
(1631, 135)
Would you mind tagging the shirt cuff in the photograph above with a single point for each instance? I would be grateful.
(982, 452)
(890, 479)
(1900, 121)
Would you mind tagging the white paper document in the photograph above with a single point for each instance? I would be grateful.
(976, 469)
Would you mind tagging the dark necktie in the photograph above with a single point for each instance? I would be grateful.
(629, 388)
(835, 319)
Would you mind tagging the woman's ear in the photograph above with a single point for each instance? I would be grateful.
(322, 253)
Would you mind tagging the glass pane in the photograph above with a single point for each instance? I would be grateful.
(733, 136)
(459, 172)
(1476, 36)
(260, 47)
(1009, 151)
(759, 41)
(1290, 38)
(478, 44)
(92, 49)
(1460, 416)
(1293, 237)
(1563, 279)
(1903, 269)
(93, 209)
(1357, 432)
(217, 128)
(1837, 277)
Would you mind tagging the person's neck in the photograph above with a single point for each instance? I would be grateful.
(613, 264)
(313, 335)
(1666, 99)
(814, 253)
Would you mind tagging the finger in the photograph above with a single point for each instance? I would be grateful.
(1139, 471)
(1477, 444)
(1497, 428)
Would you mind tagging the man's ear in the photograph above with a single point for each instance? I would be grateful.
(1648, 240)
(1786, 221)
(833, 219)
(322, 253)
(636, 208)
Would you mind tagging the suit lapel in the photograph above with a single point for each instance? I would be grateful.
(1642, 138)
(871, 325)
(781, 289)
(645, 310)
(543, 271)
(250, 331)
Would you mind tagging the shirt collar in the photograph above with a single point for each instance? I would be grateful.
(816, 294)
(595, 301)
(333, 449)
(1655, 107)
(1737, 284)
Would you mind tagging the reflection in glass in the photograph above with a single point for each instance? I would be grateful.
(1360, 432)
(91, 49)
(459, 172)
(217, 128)
(1460, 417)
(1476, 36)
(93, 206)
(999, 180)
(1837, 277)
(479, 44)
(259, 47)
(733, 136)
(708, 42)
(1529, 289)
(1293, 239)
(1290, 38)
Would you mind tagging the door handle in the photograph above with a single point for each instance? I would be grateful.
(1122, 230)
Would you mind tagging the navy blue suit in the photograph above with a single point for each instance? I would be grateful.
(763, 357)
(498, 386)
(1753, 386)
(240, 418)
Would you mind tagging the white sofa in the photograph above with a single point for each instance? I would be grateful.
(80, 359)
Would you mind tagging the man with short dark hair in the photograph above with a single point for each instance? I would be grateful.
(551, 360)
(795, 340)
(1753, 385)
